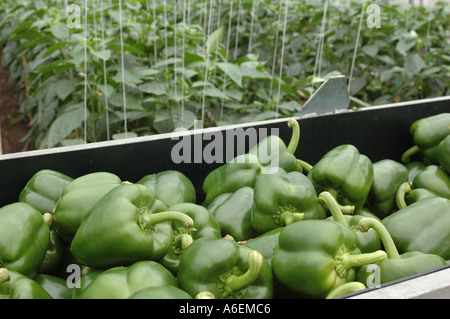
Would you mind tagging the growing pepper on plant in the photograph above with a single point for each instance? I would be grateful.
(426, 134)
(24, 237)
(78, 197)
(122, 282)
(388, 175)
(205, 226)
(345, 173)
(243, 169)
(422, 226)
(316, 256)
(281, 198)
(14, 285)
(395, 266)
(123, 228)
(225, 269)
(171, 187)
(233, 212)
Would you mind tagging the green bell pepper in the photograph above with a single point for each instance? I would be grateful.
(367, 242)
(406, 195)
(243, 169)
(205, 226)
(422, 226)
(443, 153)
(225, 269)
(14, 285)
(163, 292)
(24, 237)
(88, 274)
(414, 168)
(388, 175)
(345, 173)
(55, 286)
(265, 243)
(427, 133)
(123, 282)
(316, 256)
(396, 266)
(122, 228)
(55, 252)
(44, 189)
(171, 187)
(281, 198)
(345, 289)
(233, 212)
(434, 179)
(78, 197)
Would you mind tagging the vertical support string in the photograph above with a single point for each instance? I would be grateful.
(85, 69)
(123, 71)
(319, 53)
(356, 46)
(275, 50)
(282, 55)
(226, 57)
(252, 23)
(207, 65)
(237, 30)
(105, 78)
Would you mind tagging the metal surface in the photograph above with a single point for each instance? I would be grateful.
(330, 97)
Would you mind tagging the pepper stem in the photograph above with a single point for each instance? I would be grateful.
(235, 283)
(48, 219)
(347, 261)
(306, 167)
(400, 195)
(4, 275)
(183, 241)
(406, 157)
(295, 138)
(386, 238)
(289, 218)
(346, 288)
(156, 218)
(334, 206)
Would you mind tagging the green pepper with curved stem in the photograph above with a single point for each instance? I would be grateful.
(388, 175)
(171, 187)
(434, 179)
(78, 197)
(225, 269)
(281, 198)
(14, 285)
(345, 289)
(44, 189)
(122, 228)
(406, 195)
(427, 133)
(205, 226)
(24, 237)
(443, 153)
(123, 282)
(367, 242)
(316, 256)
(233, 212)
(345, 173)
(244, 169)
(396, 266)
(422, 226)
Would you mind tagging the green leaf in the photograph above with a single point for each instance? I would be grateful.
(414, 64)
(65, 87)
(232, 71)
(104, 55)
(214, 40)
(214, 92)
(53, 48)
(156, 88)
(65, 124)
(60, 31)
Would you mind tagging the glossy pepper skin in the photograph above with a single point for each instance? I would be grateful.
(122, 228)
(281, 198)
(122, 282)
(14, 285)
(422, 226)
(426, 134)
(345, 173)
(233, 212)
(44, 189)
(164, 292)
(367, 242)
(78, 197)
(24, 237)
(316, 256)
(55, 286)
(171, 187)
(435, 179)
(443, 154)
(225, 269)
(243, 169)
(395, 266)
(388, 175)
(205, 226)
(265, 243)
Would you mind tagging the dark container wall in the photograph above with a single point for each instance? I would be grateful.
(378, 132)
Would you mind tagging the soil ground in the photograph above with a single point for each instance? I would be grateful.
(11, 132)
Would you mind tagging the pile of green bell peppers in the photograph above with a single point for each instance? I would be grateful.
(297, 230)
